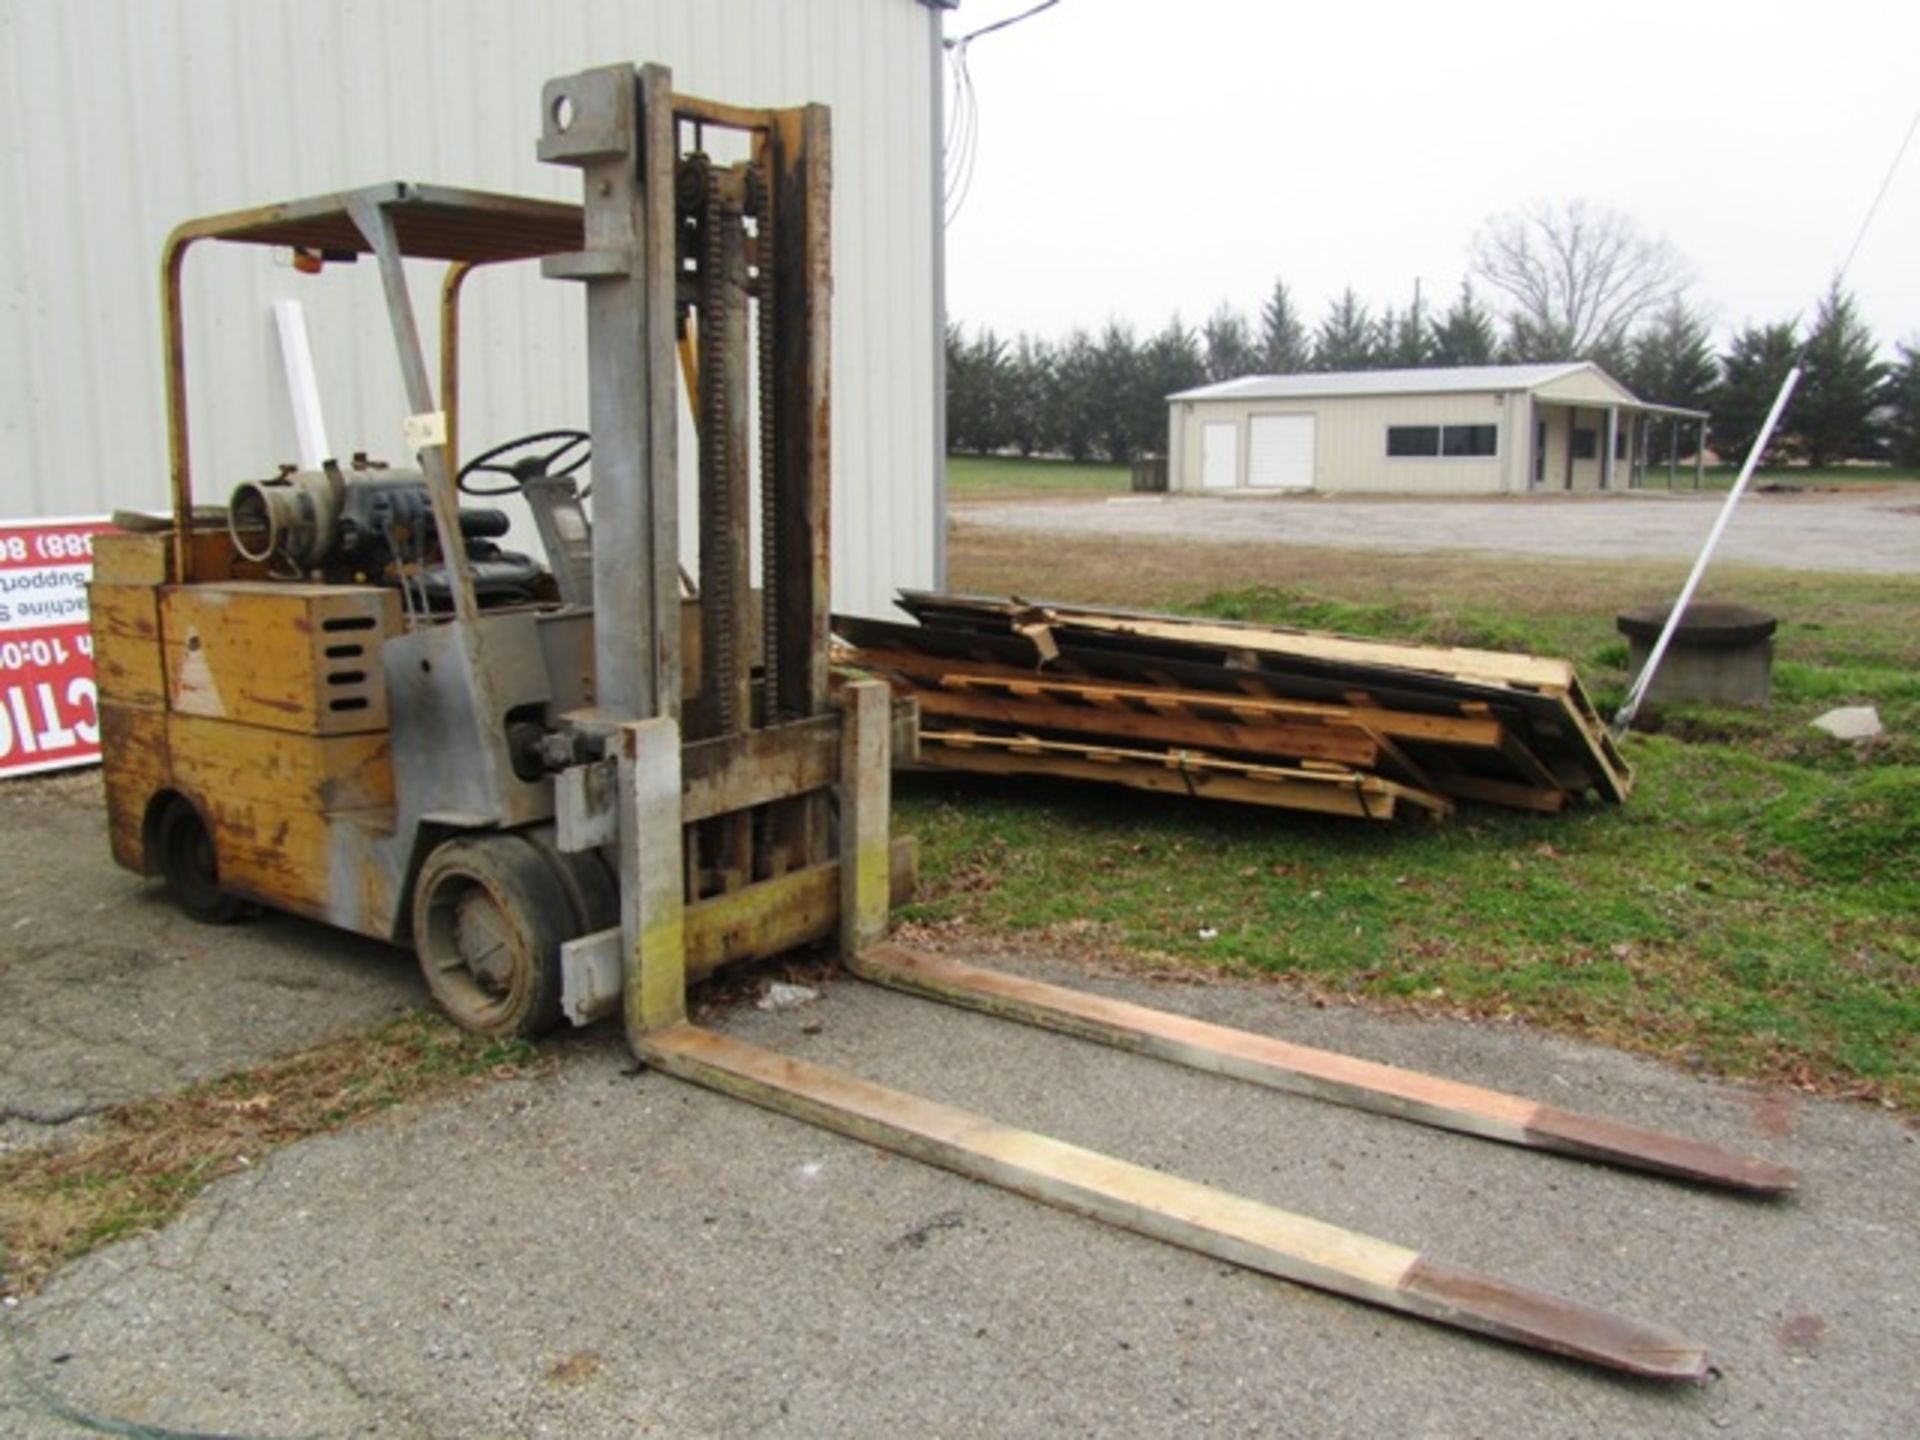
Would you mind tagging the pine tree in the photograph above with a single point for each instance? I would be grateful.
(1751, 373)
(1171, 361)
(1346, 339)
(1465, 335)
(1673, 364)
(1029, 377)
(1405, 340)
(1229, 345)
(1530, 341)
(1613, 355)
(1074, 397)
(1285, 348)
(966, 392)
(1902, 396)
(1116, 370)
(987, 360)
(1832, 417)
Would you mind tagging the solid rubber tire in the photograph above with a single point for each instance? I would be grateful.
(190, 865)
(529, 897)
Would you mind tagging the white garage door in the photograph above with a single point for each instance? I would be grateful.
(1280, 452)
(1218, 462)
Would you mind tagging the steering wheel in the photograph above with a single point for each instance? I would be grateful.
(533, 467)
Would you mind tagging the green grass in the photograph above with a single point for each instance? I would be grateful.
(998, 477)
(1721, 477)
(1753, 910)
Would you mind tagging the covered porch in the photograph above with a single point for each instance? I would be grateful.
(1578, 444)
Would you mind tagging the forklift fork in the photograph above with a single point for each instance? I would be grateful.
(1181, 1212)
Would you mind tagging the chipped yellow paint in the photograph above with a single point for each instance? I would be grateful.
(661, 997)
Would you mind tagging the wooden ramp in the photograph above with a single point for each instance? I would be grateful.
(1227, 1227)
(1055, 689)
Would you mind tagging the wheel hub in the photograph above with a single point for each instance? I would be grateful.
(483, 939)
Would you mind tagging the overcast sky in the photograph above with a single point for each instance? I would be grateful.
(1138, 158)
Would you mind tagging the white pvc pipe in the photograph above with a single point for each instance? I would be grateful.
(1644, 680)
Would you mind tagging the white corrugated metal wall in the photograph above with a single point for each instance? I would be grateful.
(119, 118)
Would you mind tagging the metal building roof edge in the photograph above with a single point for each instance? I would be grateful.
(1341, 384)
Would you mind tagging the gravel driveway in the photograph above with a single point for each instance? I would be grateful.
(1870, 531)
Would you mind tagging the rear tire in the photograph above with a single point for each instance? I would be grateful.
(489, 917)
(191, 867)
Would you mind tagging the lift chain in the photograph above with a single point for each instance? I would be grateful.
(760, 206)
(722, 660)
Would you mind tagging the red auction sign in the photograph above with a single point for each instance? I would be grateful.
(49, 711)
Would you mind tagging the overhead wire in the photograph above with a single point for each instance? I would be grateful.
(1886, 183)
(1003, 24)
(962, 148)
(956, 123)
(967, 158)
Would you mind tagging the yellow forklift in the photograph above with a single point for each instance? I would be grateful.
(573, 783)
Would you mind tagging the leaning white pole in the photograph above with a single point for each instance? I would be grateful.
(1644, 680)
(303, 389)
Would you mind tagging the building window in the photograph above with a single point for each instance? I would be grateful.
(1453, 441)
(1475, 440)
(1586, 444)
(1619, 444)
(1413, 440)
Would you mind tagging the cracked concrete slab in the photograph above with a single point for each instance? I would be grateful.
(599, 1253)
(109, 994)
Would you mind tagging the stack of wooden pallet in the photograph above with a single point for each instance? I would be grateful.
(1255, 713)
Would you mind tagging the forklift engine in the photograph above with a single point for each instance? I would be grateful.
(374, 526)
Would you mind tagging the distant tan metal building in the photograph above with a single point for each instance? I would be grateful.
(1484, 429)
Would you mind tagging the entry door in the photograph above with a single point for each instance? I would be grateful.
(1219, 464)
(1280, 452)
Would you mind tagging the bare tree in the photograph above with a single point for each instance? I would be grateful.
(1577, 278)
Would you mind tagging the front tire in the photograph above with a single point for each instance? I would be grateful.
(489, 917)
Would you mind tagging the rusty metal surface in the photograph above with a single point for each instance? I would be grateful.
(1596, 1138)
(451, 285)
(431, 222)
(1547, 1322)
(761, 765)
(801, 147)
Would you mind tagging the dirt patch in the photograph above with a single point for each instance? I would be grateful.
(137, 1166)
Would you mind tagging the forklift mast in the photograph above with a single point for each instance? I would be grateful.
(703, 267)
